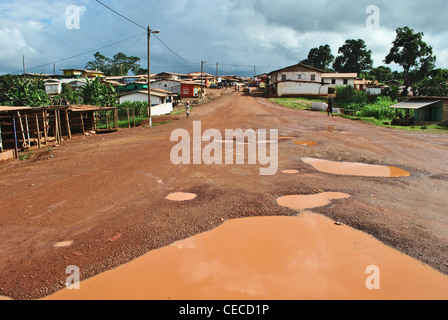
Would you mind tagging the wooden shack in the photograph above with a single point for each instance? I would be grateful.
(23, 128)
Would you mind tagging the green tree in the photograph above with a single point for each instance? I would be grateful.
(23, 91)
(413, 54)
(382, 74)
(435, 85)
(119, 65)
(320, 58)
(101, 63)
(353, 57)
(122, 64)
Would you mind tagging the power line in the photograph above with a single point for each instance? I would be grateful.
(135, 43)
(81, 54)
(174, 52)
(139, 25)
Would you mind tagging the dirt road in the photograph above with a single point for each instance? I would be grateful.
(99, 201)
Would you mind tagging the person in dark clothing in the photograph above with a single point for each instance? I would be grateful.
(330, 107)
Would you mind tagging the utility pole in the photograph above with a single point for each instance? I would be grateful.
(149, 73)
(149, 77)
(217, 64)
(23, 58)
(202, 77)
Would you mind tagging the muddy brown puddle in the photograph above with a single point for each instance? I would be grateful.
(271, 258)
(355, 169)
(181, 196)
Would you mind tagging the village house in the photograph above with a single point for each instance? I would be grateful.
(191, 89)
(339, 79)
(54, 86)
(427, 110)
(161, 100)
(304, 80)
(81, 73)
(174, 86)
(170, 76)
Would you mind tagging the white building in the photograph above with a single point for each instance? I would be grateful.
(339, 79)
(54, 86)
(161, 100)
(301, 79)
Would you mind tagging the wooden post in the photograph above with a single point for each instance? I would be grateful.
(53, 127)
(38, 131)
(95, 123)
(107, 119)
(82, 124)
(60, 126)
(44, 117)
(67, 119)
(129, 120)
(117, 126)
(56, 121)
(16, 148)
(27, 130)
(1, 141)
(133, 115)
(21, 128)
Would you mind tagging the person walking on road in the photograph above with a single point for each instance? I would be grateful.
(187, 109)
(330, 107)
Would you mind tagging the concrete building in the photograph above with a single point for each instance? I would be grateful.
(54, 86)
(304, 80)
(427, 110)
(173, 86)
(161, 100)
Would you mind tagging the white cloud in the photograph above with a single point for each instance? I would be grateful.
(236, 32)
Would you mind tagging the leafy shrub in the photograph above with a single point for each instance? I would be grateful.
(380, 109)
(349, 97)
(141, 109)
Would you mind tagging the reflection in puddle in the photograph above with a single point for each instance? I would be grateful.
(355, 169)
(298, 202)
(181, 196)
(306, 143)
(267, 258)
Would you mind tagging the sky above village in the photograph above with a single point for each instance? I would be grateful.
(237, 34)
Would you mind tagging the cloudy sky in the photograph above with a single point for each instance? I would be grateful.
(237, 34)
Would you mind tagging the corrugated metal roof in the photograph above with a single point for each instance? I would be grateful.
(413, 104)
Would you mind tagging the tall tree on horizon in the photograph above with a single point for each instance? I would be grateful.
(119, 65)
(353, 57)
(320, 58)
(413, 54)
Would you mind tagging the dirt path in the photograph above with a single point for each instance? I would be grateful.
(105, 194)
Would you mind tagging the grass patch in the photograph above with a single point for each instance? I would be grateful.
(386, 123)
(23, 156)
(296, 103)
(160, 123)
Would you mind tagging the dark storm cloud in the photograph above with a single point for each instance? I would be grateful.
(237, 34)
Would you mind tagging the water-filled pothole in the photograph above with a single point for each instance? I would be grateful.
(290, 171)
(356, 169)
(63, 244)
(306, 143)
(268, 258)
(181, 196)
(300, 202)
